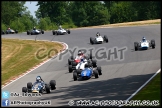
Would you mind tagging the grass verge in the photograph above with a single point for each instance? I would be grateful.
(146, 22)
(151, 92)
(20, 55)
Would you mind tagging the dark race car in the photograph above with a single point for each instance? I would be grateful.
(35, 32)
(39, 87)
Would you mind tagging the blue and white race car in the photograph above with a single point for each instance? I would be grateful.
(39, 86)
(87, 72)
(144, 44)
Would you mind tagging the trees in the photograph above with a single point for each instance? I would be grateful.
(70, 14)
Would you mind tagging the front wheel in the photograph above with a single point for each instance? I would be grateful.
(75, 76)
(95, 72)
(47, 87)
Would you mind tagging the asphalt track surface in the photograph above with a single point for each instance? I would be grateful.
(120, 78)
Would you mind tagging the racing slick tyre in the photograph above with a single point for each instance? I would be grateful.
(69, 61)
(24, 89)
(106, 39)
(72, 58)
(31, 33)
(94, 63)
(91, 40)
(68, 31)
(47, 87)
(53, 84)
(53, 32)
(42, 31)
(16, 31)
(70, 69)
(7, 32)
(99, 70)
(73, 63)
(78, 71)
(29, 85)
(28, 32)
(95, 72)
(75, 76)
(153, 43)
(136, 46)
(90, 56)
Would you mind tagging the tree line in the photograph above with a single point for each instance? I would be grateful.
(72, 14)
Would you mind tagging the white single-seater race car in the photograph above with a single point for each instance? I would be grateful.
(35, 32)
(61, 31)
(11, 31)
(98, 39)
(144, 44)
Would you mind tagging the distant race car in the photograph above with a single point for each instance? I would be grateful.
(87, 73)
(39, 87)
(144, 45)
(11, 31)
(99, 39)
(35, 32)
(61, 31)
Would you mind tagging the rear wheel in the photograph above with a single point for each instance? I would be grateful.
(53, 32)
(153, 43)
(53, 84)
(105, 38)
(99, 70)
(91, 40)
(136, 45)
(68, 31)
(42, 32)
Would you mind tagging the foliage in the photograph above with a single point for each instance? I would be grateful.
(72, 14)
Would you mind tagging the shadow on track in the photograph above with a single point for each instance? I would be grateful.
(112, 89)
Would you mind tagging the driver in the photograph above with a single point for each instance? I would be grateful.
(60, 27)
(34, 28)
(143, 39)
(9, 28)
(39, 80)
(98, 34)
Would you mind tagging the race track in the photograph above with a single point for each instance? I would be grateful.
(120, 78)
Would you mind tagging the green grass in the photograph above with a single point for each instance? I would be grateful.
(18, 56)
(152, 91)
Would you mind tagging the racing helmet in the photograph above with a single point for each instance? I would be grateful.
(9, 28)
(143, 39)
(38, 79)
(86, 66)
(98, 34)
(82, 59)
(79, 53)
